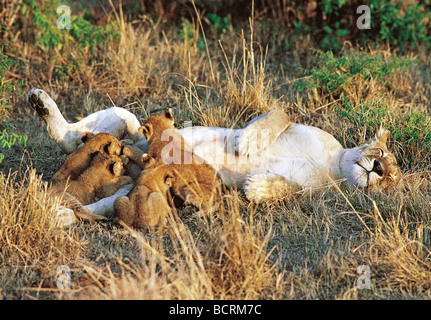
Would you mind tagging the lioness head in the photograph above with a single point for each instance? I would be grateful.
(372, 166)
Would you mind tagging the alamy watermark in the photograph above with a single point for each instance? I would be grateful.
(364, 20)
(364, 279)
(63, 21)
(63, 277)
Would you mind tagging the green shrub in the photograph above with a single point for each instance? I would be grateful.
(401, 23)
(82, 33)
(218, 24)
(8, 88)
(189, 33)
(411, 130)
(71, 44)
(332, 74)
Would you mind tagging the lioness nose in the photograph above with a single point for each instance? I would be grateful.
(377, 168)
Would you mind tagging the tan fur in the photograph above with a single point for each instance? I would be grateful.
(384, 173)
(157, 128)
(135, 166)
(80, 159)
(149, 202)
(153, 130)
(101, 179)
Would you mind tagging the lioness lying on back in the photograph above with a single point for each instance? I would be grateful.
(275, 156)
(166, 174)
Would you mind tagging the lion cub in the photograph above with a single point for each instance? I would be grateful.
(153, 130)
(150, 200)
(80, 159)
(158, 130)
(101, 179)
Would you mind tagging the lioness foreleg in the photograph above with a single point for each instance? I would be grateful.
(269, 187)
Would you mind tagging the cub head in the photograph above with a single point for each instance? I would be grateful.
(109, 166)
(158, 123)
(154, 209)
(103, 142)
(372, 165)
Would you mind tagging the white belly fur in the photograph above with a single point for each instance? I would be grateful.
(301, 154)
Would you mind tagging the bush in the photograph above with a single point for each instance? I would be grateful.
(73, 44)
(7, 87)
(333, 74)
(402, 23)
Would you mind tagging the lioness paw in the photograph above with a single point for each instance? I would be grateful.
(269, 187)
(40, 102)
(65, 217)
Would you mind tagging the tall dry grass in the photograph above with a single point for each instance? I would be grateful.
(31, 245)
(219, 257)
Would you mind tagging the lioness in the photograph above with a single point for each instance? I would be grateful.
(271, 153)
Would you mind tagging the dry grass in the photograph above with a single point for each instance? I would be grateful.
(306, 248)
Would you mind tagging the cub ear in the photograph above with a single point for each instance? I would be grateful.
(112, 148)
(147, 130)
(381, 136)
(169, 114)
(124, 159)
(87, 136)
(116, 168)
(94, 154)
(169, 180)
(147, 160)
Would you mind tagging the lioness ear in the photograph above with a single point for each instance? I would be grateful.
(87, 136)
(169, 180)
(116, 168)
(169, 114)
(381, 136)
(146, 129)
